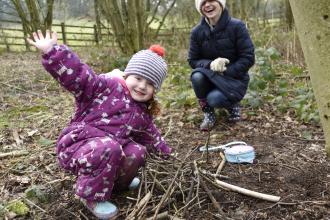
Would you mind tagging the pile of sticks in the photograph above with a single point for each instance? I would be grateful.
(171, 188)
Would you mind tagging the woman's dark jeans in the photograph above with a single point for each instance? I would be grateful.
(204, 89)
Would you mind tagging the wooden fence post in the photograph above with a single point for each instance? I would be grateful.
(96, 34)
(63, 33)
(7, 44)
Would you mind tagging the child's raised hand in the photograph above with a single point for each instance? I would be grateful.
(44, 44)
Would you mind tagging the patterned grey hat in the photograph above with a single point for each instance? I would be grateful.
(149, 64)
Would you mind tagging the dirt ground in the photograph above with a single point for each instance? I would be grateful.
(290, 159)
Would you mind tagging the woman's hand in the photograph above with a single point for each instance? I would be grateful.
(44, 44)
(219, 65)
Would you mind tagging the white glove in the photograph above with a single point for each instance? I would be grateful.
(219, 65)
(43, 43)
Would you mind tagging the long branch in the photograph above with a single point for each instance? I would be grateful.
(164, 17)
(248, 192)
(153, 14)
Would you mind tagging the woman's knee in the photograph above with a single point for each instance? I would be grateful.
(217, 99)
(198, 78)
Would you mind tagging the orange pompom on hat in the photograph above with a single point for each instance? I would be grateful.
(149, 64)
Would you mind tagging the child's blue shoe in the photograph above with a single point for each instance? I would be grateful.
(102, 210)
(134, 184)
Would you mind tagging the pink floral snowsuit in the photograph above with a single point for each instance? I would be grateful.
(107, 138)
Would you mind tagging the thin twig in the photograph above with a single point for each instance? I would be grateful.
(205, 172)
(15, 87)
(196, 174)
(163, 215)
(59, 180)
(222, 164)
(33, 204)
(139, 206)
(83, 215)
(213, 200)
(192, 183)
(169, 128)
(207, 144)
(14, 153)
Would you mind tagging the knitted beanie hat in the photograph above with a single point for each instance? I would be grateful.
(148, 64)
(198, 4)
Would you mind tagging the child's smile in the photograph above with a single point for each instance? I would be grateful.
(141, 89)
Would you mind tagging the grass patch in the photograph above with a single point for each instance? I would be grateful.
(14, 114)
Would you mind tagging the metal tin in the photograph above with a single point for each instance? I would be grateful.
(240, 154)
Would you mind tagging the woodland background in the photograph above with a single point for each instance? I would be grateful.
(280, 113)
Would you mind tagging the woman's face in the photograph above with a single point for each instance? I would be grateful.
(141, 89)
(211, 9)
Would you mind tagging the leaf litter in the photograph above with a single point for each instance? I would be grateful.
(290, 160)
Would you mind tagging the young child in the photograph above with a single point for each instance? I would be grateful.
(112, 129)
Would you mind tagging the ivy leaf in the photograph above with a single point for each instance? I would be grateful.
(37, 194)
(45, 142)
(273, 53)
(296, 70)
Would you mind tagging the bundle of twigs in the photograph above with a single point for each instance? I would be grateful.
(171, 188)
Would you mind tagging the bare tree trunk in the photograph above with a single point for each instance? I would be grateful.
(112, 13)
(98, 19)
(233, 8)
(132, 25)
(265, 20)
(257, 8)
(124, 13)
(49, 17)
(153, 14)
(140, 18)
(313, 30)
(148, 6)
(243, 10)
(128, 19)
(164, 17)
(20, 11)
(288, 14)
(33, 19)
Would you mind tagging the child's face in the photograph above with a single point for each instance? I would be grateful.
(211, 9)
(141, 89)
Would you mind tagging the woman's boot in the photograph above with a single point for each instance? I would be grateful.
(209, 116)
(234, 113)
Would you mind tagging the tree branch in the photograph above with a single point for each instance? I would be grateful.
(164, 17)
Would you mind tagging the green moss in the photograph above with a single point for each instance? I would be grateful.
(19, 207)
